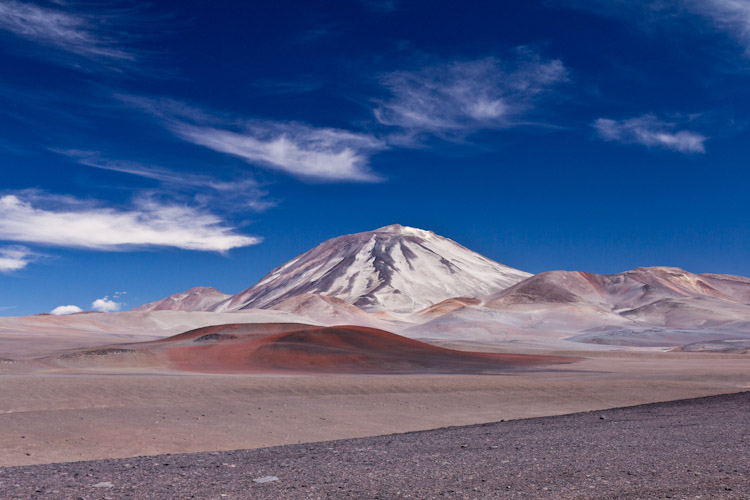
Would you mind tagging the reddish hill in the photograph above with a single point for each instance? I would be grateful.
(246, 330)
(275, 348)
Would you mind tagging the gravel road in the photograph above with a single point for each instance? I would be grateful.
(689, 449)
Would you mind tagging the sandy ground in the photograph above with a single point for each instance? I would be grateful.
(687, 449)
(58, 418)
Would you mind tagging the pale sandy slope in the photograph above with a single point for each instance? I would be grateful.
(43, 334)
(75, 417)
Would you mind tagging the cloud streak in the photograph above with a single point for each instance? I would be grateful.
(448, 100)
(242, 193)
(650, 131)
(91, 36)
(67, 222)
(15, 258)
(322, 154)
(731, 17)
(303, 151)
(457, 97)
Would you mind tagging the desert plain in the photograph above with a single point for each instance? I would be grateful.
(69, 414)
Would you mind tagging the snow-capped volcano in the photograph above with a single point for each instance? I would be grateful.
(395, 268)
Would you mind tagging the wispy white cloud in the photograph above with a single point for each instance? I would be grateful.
(67, 222)
(447, 99)
(461, 96)
(62, 310)
(242, 193)
(304, 151)
(650, 131)
(731, 17)
(85, 34)
(315, 153)
(105, 304)
(15, 258)
(174, 111)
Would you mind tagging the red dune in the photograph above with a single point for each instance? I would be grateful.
(292, 348)
(245, 329)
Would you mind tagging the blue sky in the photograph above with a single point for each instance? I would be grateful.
(149, 148)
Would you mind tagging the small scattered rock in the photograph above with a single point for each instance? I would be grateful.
(104, 484)
(266, 479)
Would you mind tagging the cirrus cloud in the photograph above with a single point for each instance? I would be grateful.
(460, 96)
(72, 29)
(730, 17)
(237, 194)
(314, 153)
(650, 131)
(310, 153)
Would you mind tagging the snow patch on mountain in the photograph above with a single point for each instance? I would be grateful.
(395, 268)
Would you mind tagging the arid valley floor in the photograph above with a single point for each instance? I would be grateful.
(682, 449)
(83, 416)
(298, 361)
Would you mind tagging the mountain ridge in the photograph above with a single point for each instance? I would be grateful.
(425, 286)
(198, 298)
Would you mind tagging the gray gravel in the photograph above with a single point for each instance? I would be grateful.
(690, 449)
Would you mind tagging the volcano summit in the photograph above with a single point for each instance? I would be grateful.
(395, 268)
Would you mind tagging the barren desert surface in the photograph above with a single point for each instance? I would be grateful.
(682, 449)
(64, 417)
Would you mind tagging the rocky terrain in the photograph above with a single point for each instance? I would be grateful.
(682, 449)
